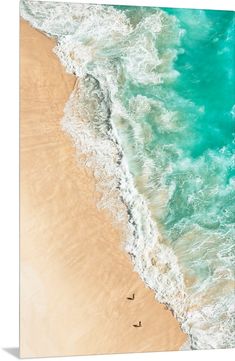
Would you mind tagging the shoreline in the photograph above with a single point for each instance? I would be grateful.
(61, 261)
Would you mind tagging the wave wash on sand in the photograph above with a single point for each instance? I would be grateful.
(152, 141)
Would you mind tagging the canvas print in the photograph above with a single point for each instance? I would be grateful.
(127, 179)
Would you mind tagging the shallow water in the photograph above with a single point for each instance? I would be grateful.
(154, 114)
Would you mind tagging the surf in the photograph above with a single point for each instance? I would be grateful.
(153, 138)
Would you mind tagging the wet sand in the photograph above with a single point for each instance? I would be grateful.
(75, 276)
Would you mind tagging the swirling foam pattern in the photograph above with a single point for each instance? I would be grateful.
(153, 114)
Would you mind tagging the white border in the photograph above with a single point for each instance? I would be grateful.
(9, 110)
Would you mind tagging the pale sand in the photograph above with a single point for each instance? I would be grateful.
(75, 276)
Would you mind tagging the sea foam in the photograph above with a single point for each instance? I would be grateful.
(124, 61)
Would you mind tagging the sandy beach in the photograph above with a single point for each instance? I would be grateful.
(75, 275)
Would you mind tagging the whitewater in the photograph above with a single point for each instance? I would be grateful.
(152, 114)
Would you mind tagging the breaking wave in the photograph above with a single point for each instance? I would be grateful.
(162, 163)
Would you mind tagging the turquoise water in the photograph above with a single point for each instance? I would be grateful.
(193, 155)
(158, 84)
(198, 144)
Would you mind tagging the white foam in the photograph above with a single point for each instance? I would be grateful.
(84, 35)
(154, 261)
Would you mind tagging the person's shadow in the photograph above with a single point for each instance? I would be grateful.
(14, 351)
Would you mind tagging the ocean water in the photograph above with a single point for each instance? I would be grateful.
(153, 115)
